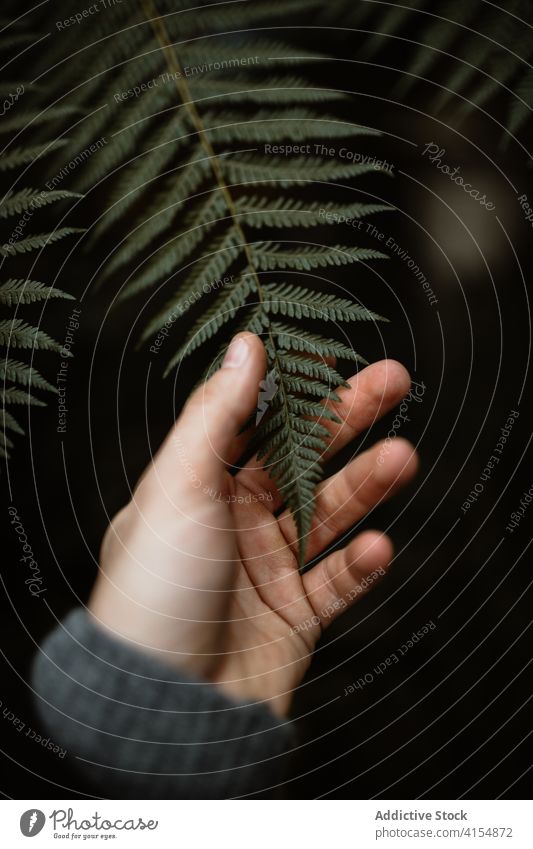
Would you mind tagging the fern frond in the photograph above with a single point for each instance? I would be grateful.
(197, 223)
(149, 165)
(18, 372)
(19, 396)
(314, 388)
(388, 23)
(214, 264)
(502, 68)
(300, 302)
(15, 333)
(182, 161)
(33, 242)
(16, 203)
(303, 407)
(270, 257)
(223, 17)
(257, 211)
(295, 461)
(291, 337)
(23, 155)
(297, 170)
(295, 124)
(14, 292)
(491, 45)
(522, 107)
(9, 421)
(112, 87)
(192, 289)
(128, 132)
(19, 379)
(5, 444)
(458, 80)
(22, 120)
(440, 36)
(18, 39)
(279, 90)
(295, 364)
(225, 308)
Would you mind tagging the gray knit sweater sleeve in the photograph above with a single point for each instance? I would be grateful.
(139, 729)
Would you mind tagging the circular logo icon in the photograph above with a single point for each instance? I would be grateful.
(32, 822)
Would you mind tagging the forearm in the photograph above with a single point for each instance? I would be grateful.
(142, 729)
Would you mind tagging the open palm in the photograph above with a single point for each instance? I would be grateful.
(201, 566)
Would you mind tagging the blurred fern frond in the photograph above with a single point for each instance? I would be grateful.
(490, 45)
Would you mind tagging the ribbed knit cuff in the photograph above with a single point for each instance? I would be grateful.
(138, 728)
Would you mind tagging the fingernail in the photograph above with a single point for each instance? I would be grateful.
(236, 354)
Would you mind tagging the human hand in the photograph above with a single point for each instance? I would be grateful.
(199, 569)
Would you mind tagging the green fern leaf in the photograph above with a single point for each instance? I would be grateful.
(290, 337)
(23, 155)
(14, 292)
(9, 422)
(192, 290)
(19, 396)
(389, 23)
(299, 302)
(226, 307)
(256, 211)
(270, 257)
(148, 166)
(522, 107)
(295, 364)
(178, 166)
(303, 407)
(294, 124)
(314, 388)
(15, 203)
(5, 444)
(17, 334)
(18, 372)
(33, 242)
(279, 90)
(438, 37)
(214, 265)
(297, 170)
(23, 120)
(490, 45)
(196, 226)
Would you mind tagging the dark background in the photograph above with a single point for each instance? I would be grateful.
(453, 717)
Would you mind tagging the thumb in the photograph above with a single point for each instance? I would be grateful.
(219, 408)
